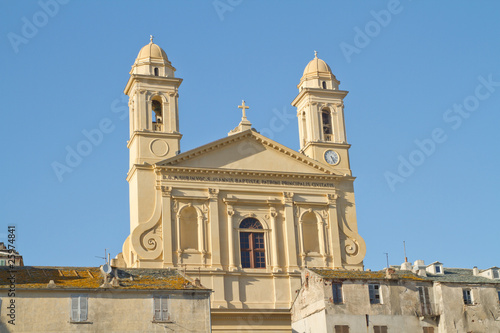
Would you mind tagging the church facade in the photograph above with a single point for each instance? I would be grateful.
(244, 213)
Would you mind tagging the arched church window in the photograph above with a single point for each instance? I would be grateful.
(310, 232)
(157, 115)
(326, 119)
(189, 228)
(324, 85)
(253, 252)
(156, 71)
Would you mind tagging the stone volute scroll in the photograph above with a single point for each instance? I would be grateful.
(145, 239)
(354, 245)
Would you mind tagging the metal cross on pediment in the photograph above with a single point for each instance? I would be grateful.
(243, 107)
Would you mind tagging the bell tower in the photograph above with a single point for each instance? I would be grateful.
(154, 125)
(320, 112)
(153, 103)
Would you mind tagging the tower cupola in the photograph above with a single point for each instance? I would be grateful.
(318, 74)
(152, 60)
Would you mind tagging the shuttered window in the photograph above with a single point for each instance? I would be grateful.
(379, 329)
(425, 303)
(341, 329)
(79, 308)
(160, 308)
(374, 290)
(337, 293)
(467, 296)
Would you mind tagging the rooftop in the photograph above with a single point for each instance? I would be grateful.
(364, 275)
(31, 277)
(450, 275)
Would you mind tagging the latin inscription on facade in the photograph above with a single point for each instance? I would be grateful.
(234, 180)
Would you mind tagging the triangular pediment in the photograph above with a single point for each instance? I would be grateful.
(248, 151)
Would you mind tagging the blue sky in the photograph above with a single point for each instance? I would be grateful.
(422, 114)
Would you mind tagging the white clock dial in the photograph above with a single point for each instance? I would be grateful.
(332, 157)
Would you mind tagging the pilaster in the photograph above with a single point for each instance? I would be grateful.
(213, 209)
(166, 215)
(334, 230)
(290, 242)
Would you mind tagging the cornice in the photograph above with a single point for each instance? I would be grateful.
(153, 134)
(251, 201)
(327, 144)
(318, 91)
(168, 170)
(136, 167)
(143, 77)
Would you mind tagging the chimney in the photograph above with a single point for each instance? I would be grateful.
(475, 271)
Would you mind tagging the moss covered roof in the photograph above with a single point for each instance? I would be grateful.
(30, 277)
(452, 275)
(342, 274)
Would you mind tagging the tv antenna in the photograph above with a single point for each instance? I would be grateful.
(106, 256)
(404, 249)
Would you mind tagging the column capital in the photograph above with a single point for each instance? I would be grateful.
(213, 193)
(287, 197)
(166, 191)
(332, 198)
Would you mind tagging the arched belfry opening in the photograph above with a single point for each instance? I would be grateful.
(157, 115)
(326, 120)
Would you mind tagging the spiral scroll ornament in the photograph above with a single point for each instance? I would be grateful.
(146, 237)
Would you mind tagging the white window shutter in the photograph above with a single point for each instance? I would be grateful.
(157, 308)
(83, 308)
(164, 308)
(74, 308)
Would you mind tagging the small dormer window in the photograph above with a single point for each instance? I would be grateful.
(156, 71)
(496, 275)
(324, 85)
(438, 269)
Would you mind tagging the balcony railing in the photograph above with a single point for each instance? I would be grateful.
(158, 127)
(328, 137)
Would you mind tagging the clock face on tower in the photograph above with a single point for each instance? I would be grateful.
(332, 157)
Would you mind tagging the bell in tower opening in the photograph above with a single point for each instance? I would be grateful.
(157, 115)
